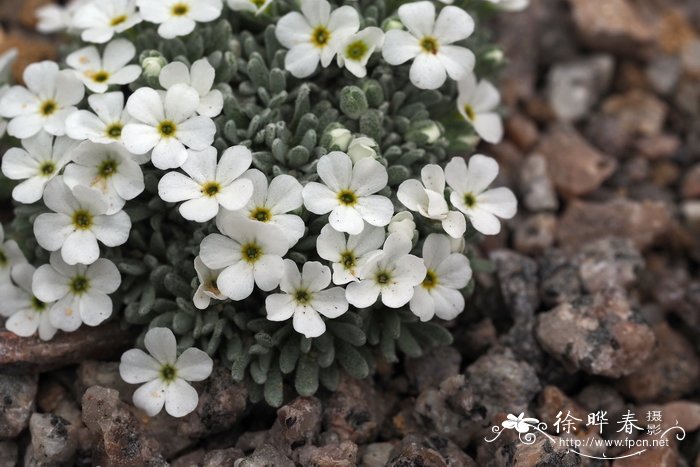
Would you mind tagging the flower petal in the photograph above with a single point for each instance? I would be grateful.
(194, 365)
(161, 344)
(136, 366)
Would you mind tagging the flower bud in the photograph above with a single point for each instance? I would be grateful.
(402, 223)
(152, 62)
(340, 137)
(361, 147)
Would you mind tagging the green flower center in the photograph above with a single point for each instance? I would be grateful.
(258, 3)
(251, 252)
(347, 198)
(302, 296)
(211, 189)
(383, 277)
(347, 259)
(79, 285)
(320, 37)
(48, 107)
(38, 305)
(180, 9)
(47, 168)
(117, 20)
(3, 259)
(469, 110)
(261, 214)
(430, 45)
(114, 131)
(168, 373)
(469, 200)
(356, 50)
(431, 280)
(82, 219)
(98, 76)
(107, 168)
(167, 129)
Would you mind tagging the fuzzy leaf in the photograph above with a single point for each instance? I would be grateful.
(306, 381)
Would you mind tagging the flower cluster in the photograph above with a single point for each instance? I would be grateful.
(215, 189)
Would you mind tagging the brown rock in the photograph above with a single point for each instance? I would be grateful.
(518, 35)
(355, 411)
(611, 25)
(101, 342)
(376, 454)
(23, 13)
(672, 371)
(105, 374)
(298, 423)
(411, 452)
(522, 131)
(691, 183)
(535, 234)
(17, 392)
(517, 278)
(637, 113)
(266, 455)
(54, 441)
(433, 367)
(574, 166)
(8, 453)
(685, 414)
(642, 222)
(599, 334)
(120, 438)
(536, 189)
(652, 457)
(608, 263)
(222, 457)
(32, 48)
(658, 146)
(343, 454)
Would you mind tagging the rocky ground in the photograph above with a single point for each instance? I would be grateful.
(593, 303)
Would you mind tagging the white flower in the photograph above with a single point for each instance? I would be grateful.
(393, 274)
(470, 195)
(253, 6)
(403, 223)
(511, 5)
(55, 18)
(100, 20)
(349, 254)
(105, 125)
(477, 104)
(314, 35)
(99, 73)
(305, 297)
(207, 285)
(201, 78)
(49, 98)
(80, 292)
(10, 255)
(428, 41)
(428, 199)
(271, 204)
(348, 193)
(439, 293)
(361, 147)
(7, 59)
(167, 124)
(27, 313)
(209, 184)
(355, 52)
(109, 169)
(78, 222)
(249, 253)
(165, 374)
(40, 160)
(178, 17)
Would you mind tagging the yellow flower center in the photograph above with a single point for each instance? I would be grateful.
(261, 214)
(167, 129)
(107, 168)
(114, 130)
(47, 168)
(302, 297)
(211, 189)
(98, 76)
(258, 3)
(430, 45)
(168, 373)
(347, 259)
(469, 200)
(82, 219)
(383, 278)
(180, 9)
(48, 107)
(320, 37)
(356, 50)
(79, 285)
(347, 197)
(469, 110)
(251, 252)
(431, 280)
(117, 20)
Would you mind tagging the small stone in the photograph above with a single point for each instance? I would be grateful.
(517, 277)
(355, 411)
(54, 441)
(573, 88)
(433, 367)
(637, 112)
(535, 234)
(690, 57)
(8, 453)
(266, 455)
(411, 452)
(537, 191)
(119, 436)
(17, 392)
(599, 396)
(191, 459)
(501, 383)
(559, 278)
(518, 36)
(222, 457)
(105, 374)
(298, 423)
(691, 183)
(672, 371)
(599, 334)
(522, 131)
(642, 222)
(666, 456)
(101, 342)
(663, 73)
(685, 414)
(611, 25)
(343, 454)
(574, 166)
(691, 213)
(32, 48)
(608, 263)
(478, 338)
(658, 146)
(376, 454)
